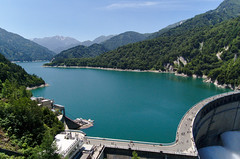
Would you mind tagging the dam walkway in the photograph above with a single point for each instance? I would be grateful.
(169, 148)
(184, 143)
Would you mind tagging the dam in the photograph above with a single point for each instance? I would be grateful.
(200, 127)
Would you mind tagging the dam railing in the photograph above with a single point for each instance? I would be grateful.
(131, 141)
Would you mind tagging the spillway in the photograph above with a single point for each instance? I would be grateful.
(230, 148)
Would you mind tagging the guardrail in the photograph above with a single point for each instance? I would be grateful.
(130, 141)
(79, 131)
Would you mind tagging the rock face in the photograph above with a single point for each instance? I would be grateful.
(180, 60)
(216, 83)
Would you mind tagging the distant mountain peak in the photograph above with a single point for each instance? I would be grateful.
(228, 5)
(60, 37)
(57, 43)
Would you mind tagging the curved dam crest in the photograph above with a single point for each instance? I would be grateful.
(201, 126)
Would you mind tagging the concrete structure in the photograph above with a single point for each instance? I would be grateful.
(68, 123)
(218, 115)
(49, 104)
(61, 108)
(199, 127)
(43, 102)
(69, 143)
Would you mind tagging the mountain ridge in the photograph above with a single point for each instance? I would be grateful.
(59, 43)
(81, 51)
(16, 48)
(190, 41)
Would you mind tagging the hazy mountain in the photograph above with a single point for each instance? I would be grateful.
(60, 43)
(57, 43)
(98, 40)
(207, 44)
(16, 48)
(95, 49)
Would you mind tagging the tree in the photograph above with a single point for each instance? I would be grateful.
(135, 155)
(48, 147)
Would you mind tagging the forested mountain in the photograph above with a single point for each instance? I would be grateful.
(164, 30)
(82, 51)
(203, 42)
(98, 40)
(17, 48)
(57, 43)
(24, 126)
(226, 10)
(97, 49)
(124, 39)
(14, 73)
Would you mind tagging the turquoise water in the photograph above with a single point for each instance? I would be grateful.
(125, 105)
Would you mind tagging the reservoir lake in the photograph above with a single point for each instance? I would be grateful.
(139, 106)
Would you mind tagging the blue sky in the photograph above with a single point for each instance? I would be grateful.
(88, 19)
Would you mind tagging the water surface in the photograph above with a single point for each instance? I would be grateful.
(124, 105)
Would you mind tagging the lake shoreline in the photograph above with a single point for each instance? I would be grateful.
(205, 78)
(111, 69)
(36, 87)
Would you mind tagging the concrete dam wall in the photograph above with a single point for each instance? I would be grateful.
(201, 126)
(220, 114)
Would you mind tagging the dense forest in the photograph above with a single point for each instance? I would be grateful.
(94, 50)
(81, 51)
(124, 39)
(25, 127)
(17, 48)
(208, 42)
(14, 73)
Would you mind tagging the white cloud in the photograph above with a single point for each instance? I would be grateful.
(160, 4)
(131, 5)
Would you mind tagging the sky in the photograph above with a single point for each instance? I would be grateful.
(89, 19)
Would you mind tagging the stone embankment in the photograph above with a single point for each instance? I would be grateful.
(36, 87)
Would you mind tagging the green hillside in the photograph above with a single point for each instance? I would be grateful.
(98, 49)
(228, 9)
(124, 39)
(14, 73)
(198, 46)
(25, 127)
(164, 30)
(82, 51)
(17, 48)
